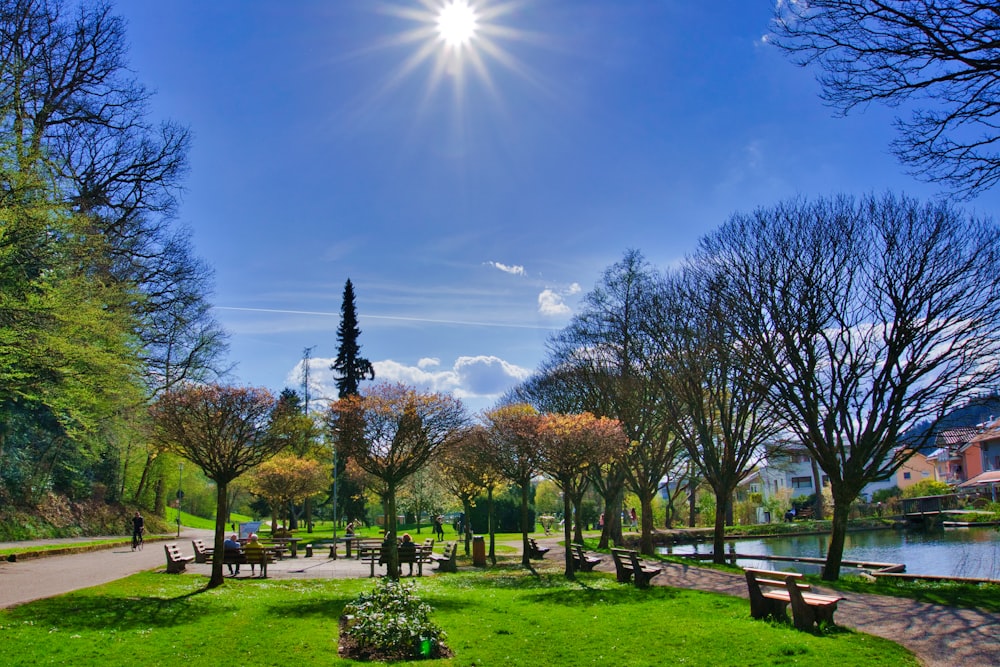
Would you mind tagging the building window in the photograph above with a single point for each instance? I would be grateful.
(906, 475)
(802, 482)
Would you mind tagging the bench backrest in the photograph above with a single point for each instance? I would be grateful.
(449, 550)
(173, 552)
(773, 578)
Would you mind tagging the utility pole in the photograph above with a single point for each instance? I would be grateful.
(306, 356)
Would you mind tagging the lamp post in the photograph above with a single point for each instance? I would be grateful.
(335, 503)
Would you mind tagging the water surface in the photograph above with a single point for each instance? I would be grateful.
(954, 552)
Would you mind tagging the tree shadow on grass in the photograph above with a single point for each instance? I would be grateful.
(329, 608)
(83, 611)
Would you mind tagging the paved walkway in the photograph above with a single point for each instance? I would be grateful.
(940, 636)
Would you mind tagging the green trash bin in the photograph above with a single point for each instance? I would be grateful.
(478, 551)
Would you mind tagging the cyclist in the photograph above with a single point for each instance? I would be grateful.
(138, 527)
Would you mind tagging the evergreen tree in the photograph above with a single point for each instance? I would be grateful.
(351, 368)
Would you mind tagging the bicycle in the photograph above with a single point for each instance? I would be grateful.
(137, 540)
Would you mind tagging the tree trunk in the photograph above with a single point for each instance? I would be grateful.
(144, 477)
(835, 553)
(723, 508)
(578, 519)
(692, 502)
(646, 521)
(160, 498)
(467, 509)
(612, 533)
(566, 536)
(221, 512)
(389, 507)
(491, 525)
(525, 528)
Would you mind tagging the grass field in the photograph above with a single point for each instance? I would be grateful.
(504, 616)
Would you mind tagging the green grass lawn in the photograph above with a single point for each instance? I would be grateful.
(504, 616)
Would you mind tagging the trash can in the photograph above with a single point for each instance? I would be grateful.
(478, 551)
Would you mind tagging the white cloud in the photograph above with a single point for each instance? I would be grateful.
(475, 379)
(551, 304)
(515, 270)
(574, 288)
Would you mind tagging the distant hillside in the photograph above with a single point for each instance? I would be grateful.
(974, 412)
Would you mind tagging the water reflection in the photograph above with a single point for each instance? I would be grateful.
(956, 552)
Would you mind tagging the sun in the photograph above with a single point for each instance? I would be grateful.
(457, 24)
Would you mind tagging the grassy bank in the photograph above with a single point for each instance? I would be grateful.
(502, 617)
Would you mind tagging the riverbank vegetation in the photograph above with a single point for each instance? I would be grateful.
(502, 616)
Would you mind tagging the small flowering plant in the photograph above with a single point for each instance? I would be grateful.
(390, 623)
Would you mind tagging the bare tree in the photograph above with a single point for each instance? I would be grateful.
(938, 57)
(571, 445)
(861, 319)
(608, 345)
(716, 406)
(391, 432)
(225, 431)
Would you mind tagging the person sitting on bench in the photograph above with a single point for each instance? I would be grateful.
(232, 551)
(407, 552)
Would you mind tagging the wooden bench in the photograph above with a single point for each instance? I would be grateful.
(581, 561)
(421, 554)
(176, 561)
(535, 551)
(771, 592)
(371, 554)
(629, 566)
(202, 554)
(445, 562)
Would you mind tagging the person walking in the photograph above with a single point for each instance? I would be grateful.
(439, 528)
(635, 520)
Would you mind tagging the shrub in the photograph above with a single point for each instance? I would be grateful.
(390, 623)
(927, 487)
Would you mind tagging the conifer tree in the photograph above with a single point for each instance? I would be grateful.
(351, 368)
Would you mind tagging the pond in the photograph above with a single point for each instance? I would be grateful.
(956, 552)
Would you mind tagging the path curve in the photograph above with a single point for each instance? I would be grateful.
(37, 578)
(938, 635)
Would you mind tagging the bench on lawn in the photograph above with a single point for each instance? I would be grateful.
(772, 591)
(535, 551)
(202, 554)
(371, 554)
(581, 561)
(176, 561)
(445, 561)
(629, 566)
(421, 554)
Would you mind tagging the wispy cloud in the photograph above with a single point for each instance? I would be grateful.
(516, 270)
(388, 318)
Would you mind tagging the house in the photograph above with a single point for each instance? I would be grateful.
(981, 458)
(917, 468)
(791, 475)
(947, 459)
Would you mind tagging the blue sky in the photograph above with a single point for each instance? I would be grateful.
(473, 206)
